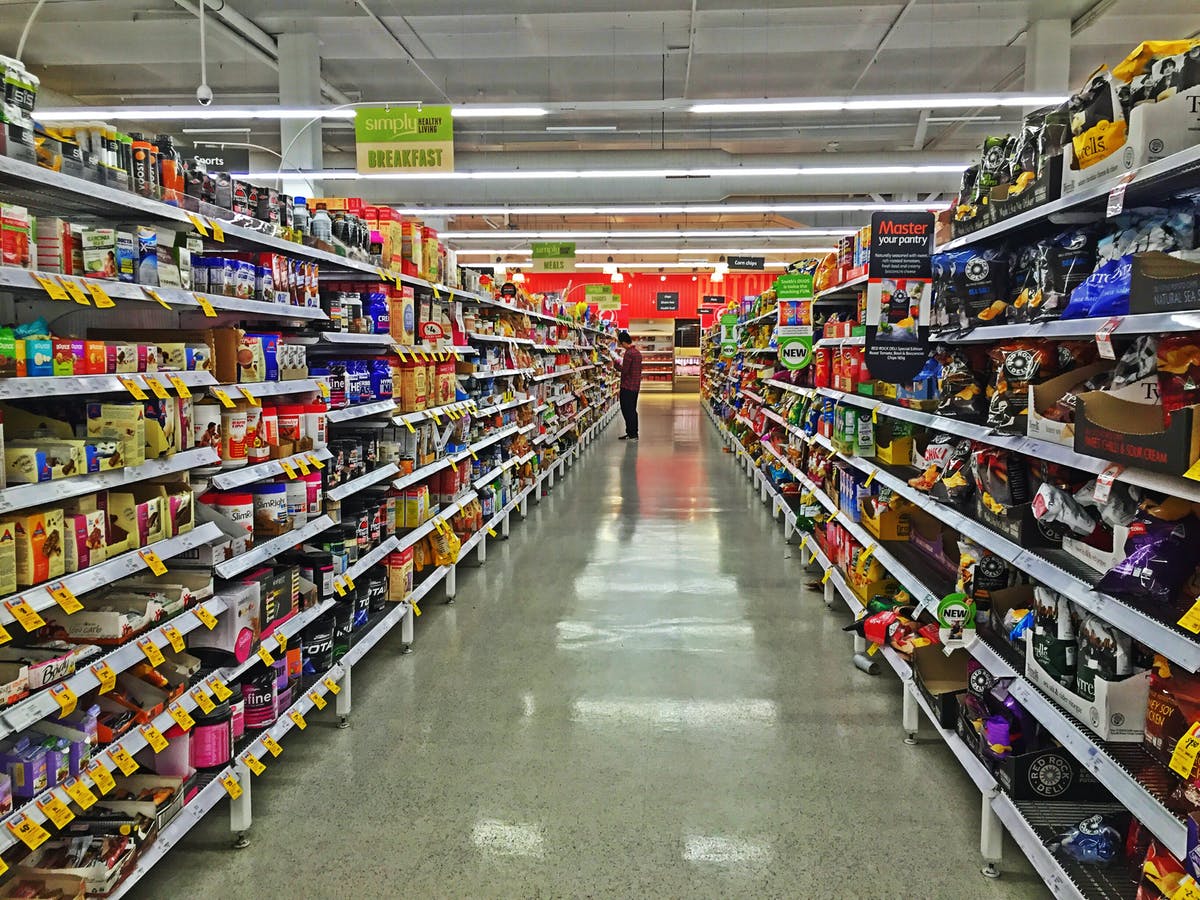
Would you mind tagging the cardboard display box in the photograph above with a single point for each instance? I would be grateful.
(938, 542)
(1094, 557)
(1019, 525)
(1133, 433)
(940, 679)
(891, 524)
(1162, 283)
(1043, 396)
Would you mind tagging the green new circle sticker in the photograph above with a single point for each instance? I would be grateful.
(795, 352)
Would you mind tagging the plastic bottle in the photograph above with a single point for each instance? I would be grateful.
(300, 217)
(321, 226)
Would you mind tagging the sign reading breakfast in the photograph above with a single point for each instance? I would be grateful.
(404, 139)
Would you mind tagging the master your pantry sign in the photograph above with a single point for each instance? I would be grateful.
(404, 139)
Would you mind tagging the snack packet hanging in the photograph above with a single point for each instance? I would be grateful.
(1178, 371)
(1098, 126)
(1018, 365)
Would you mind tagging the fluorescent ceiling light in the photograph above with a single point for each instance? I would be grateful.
(500, 234)
(494, 112)
(712, 209)
(874, 104)
(965, 119)
(569, 128)
(172, 113)
(653, 264)
(651, 251)
(594, 174)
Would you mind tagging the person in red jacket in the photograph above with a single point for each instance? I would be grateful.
(629, 364)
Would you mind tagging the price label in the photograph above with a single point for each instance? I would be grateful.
(349, 581)
(65, 698)
(870, 478)
(333, 686)
(207, 619)
(1184, 756)
(218, 232)
(872, 649)
(492, 532)
(56, 811)
(99, 296)
(135, 389)
(180, 388)
(298, 717)
(220, 689)
(51, 287)
(1191, 619)
(126, 763)
(171, 633)
(156, 297)
(272, 745)
(265, 655)
(302, 464)
(5, 637)
(203, 701)
(198, 224)
(157, 388)
(288, 470)
(29, 832)
(315, 461)
(63, 597)
(828, 574)
(150, 558)
(81, 794)
(223, 397)
(1188, 889)
(866, 555)
(154, 737)
(153, 654)
(323, 388)
(409, 425)
(1104, 338)
(1104, 482)
(76, 292)
(232, 787)
(281, 640)
(105, 675)
(317, 700)
(181, 716)
(253, 763)
(1116, 197)
(416, 609)
(340, 587)
(101, 777)
(250, 398)
(25, 614)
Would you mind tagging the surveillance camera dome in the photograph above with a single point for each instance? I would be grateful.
(204, 95)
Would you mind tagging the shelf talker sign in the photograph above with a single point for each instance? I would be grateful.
(729, 334)
(794, 329)
(602, 295)
(555, 256)
(898, 295)
(404, 139)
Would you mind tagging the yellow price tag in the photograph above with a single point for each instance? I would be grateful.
(154, 737)
(334, 687)
(126, 763)
(105, 675)
(1188, 889)
(101, 777)
(156, 565)
(75, 291)
(416, 609)
(298, 717)
(492, 532)
(218, 232)
(315, 461)
(804, 542)
(135, 389)
(1184, 756)
(171, 633)
(409, 425)
(29, 832)
(1191, 619)
(323, 388)
(317, 700)
(5, 637)
(63, 597)
(272, 745)
(473, 456)
(253, 763)
(828, 574)
(180, 388)
(56, 811)
(872, 649)
(339, 587)
(302, 465)
(81, 794)
(349, 581)
(25, 614)
(65, 698)
(207, 619)
(250, 398)
(99, 295)
(436, 418)
(51, 287)
(202, 699)
(156, 297)
(221, 690)
(870, 478)
(232, 787)
(265, 655)
(287, 469)
(205, 306)
(181, 716)
(153, 654)
(157, 388)
(281, 640)
(224, 398)
(198, 224)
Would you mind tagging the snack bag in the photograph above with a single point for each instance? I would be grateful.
(1054, 635)
(1104, 651)
(1178, 371)
(980, 572)
(960, 394)
(954, 485)
(1098, 124)
(1160, 554)
(1064, 262)
(1019, 364)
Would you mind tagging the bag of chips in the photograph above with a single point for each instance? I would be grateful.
(980, 572)
(1160, 554)
(1064, 263)
(954, 485)
(1018, 365)
(1178, 371)
(1104, 651)
(976, 285)
(960, 394)
(1098, 124)
(1054, 644)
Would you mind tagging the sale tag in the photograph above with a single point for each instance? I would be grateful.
(828, 574)
(207, 619)
(872, 650)
(333, 686)
(250, 398)
(865, 556)
(205, 306)
(231, 785)
(323, 388)
(1188, 889)
(1104, 482)
(203, 701)
(99, 296)
(180, 388)
(171, 633)
(219, 688)
(181, 716)
(870, 478)
(1193, 472)
(154, 295)
(218, 232)
(253, 763)
(63, 597)
(317, 700)
(224, 398)
(416, 609)
(339, 587)
(56, 811)
(157, 388)
(51, 287)
(105, 675)
(76, 292)
(409, 425)
(315, 461)
(1191, 619)
(135, 389)
(265, 655)
(1184, 756)
(25, 614)
(101, 777)
(1104, 344)
(272, 745)
(65, 698)
(198, 224)
(492, 532)
(126, 763)
(153, 654)
(81, 794)
(150, 558)
(281, 640)
(287, 469)
(349, 581)
(302, 464)
(29, 832)
(154, 737)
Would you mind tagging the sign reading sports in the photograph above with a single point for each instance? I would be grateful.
(404, 139)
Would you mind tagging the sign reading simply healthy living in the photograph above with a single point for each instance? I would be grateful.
(404, 139)
(556, 256)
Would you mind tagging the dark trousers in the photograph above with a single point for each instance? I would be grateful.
(629, 411)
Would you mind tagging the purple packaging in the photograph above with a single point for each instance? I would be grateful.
(261, 695)
(6, 795)
(26, 766)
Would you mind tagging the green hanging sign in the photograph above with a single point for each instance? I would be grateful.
(403, 139)
(553, 257)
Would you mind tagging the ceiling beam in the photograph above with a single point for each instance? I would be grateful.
(883, 40)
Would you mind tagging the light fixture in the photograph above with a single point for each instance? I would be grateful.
(652, 251)
(715, 209)
(518, 277)
(173, 113)
(559, 129)
(694, 278)
(872, 104)
(497, 112)
(639, 174)
(717, 277)
(617, 278)
(494, 234)
(662, 277)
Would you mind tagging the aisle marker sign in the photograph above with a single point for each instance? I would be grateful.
(602, 295)
(794, 329)
(553, 256)
(404, 139)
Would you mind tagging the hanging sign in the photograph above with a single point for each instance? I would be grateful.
(794, 328)
(217, 157)
(748, 263)
(553, 257)
(729, 334)
(898, 301)
(667, 301)
(602, 295)
(404, 139)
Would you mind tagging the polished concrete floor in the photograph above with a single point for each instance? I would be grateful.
(635, 697)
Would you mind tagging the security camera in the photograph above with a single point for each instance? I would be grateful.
(204, 95)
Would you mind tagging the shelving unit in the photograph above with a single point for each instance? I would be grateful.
(655, 338)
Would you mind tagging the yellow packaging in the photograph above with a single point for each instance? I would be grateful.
(124, 422)
(416, 506)
(40, 546)
(8, 558)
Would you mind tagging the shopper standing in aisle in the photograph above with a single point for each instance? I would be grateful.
(629, 364)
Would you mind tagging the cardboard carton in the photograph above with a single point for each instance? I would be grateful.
(1042, 397)
(1134, 434)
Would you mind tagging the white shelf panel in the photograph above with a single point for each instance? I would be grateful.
(269, 469)
(348, 339)
(841, 342)
(462, 406)
(342, 491)
(1142, 323)
(273, 388)
(842, 288)
(359, 411)
(499, 373)
(499, 339)
(562, 373)
(261, 552)
(90, 385)
(411, 537)
(500, 407)
(419, 475)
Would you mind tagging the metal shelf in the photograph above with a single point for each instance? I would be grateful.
(260, 553)
(359, 411)
(272, 388)
(347, 338)
(435, 412)
(269, 469)
(498, 338)
(419, 475)
(852, 285)
(90, 385)
(858, 341)
(1139, 323)
(499, 373)
(342, 491)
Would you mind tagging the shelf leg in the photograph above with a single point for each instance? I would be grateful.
(240, 814)
(776, 510)
(787, 535)
(406, 631)
(523, 506)
(991, 839)
(861, 660)
(910, 715)
(451, 584)
(342, 703)
(505, 525)
(763, 493)
(830, 595)
(481, 550)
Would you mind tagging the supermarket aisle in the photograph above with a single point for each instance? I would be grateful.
(634, 697)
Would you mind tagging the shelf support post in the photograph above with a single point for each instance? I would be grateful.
(240, 814)
(910, 714)
(991, 839)
(406, 630)
(451, 584)
(504, 525)
(342, 703)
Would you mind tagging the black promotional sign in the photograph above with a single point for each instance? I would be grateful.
(218, 158)
(713, 300)
(899, 278)
(748, 263)
(668, 301)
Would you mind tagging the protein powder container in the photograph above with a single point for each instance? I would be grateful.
(343, 625)
(291, 422)
(237, 713)
(237, 505)
(312, 484)
(206, 432)
(360, 599)
(377, 591)
(318, 567)
(261, 697)
(211, 745)
(314, 423)
(233, 438)
(317, 643)
(271, 504)
(257, 449)
(297, 501)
